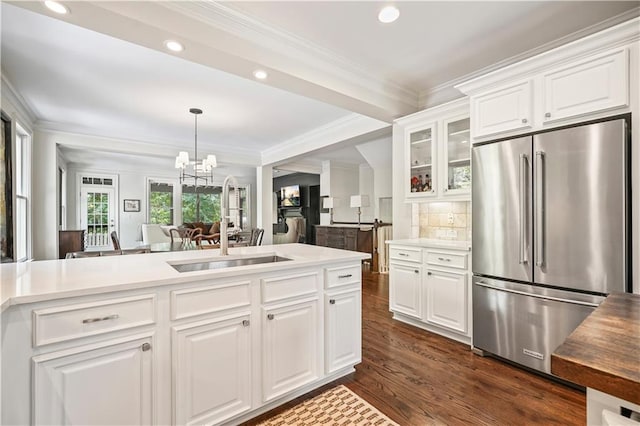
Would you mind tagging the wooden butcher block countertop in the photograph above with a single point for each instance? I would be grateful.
(603, 353)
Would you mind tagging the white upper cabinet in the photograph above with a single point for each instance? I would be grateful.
(437, 152)
(587, 79)
(503, 109)
(598, 83)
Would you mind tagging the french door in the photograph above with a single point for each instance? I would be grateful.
(97, 218)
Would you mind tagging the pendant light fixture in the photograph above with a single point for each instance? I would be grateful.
(200, 171)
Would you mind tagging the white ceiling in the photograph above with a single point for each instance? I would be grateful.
(109, 75)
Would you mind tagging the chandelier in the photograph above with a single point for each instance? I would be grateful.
(198, 170)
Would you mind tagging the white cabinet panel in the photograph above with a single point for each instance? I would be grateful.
(212, 370)
(405, 284)
(504, 109)
(343, 330)
(595, 84)
(447, 299)
(290, 344)
(105, 384)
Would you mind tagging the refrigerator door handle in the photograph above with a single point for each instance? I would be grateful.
(523, 208)
(540, 211)
(538, 296)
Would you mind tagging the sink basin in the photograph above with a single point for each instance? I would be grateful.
(227, 263)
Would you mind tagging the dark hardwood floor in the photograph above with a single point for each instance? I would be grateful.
(419, 378)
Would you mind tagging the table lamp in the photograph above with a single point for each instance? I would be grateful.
(327, 203)
(359, 201)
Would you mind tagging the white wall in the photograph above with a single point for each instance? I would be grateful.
(401, 210)
(343, 182)
(367, 187)
(378, 155)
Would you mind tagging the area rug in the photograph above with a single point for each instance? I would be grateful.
(337, 406)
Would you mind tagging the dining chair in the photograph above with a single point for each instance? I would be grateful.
(115, 240)
(256, 237)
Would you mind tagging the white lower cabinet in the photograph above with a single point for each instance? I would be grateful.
(212, 369)
(290, 345)
(432, 291)
(447, 299)
(406, 289)
(107, 383)
(211, 351)
(343, 329)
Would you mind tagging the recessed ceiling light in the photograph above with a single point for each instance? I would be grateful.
(388, 14)
(260, 74)
(174, 46)
(56, 7)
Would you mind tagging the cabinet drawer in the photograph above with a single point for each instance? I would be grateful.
(204, 300)
(447, 259)
(68, 322)
(291, 286)
(343, 275)
(406, 254)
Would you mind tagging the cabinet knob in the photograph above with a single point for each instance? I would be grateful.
(270, 316)
(524, 120)
(246, 323)
(548, 115)
(445, 189)
(429, 273)
(145, 347)
(416, 271)
(332, 301)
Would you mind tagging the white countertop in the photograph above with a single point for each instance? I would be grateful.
(431, 243)
(55, 279)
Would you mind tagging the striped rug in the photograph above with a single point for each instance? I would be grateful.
(337, 406)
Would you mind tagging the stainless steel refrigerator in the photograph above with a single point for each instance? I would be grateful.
(551, 218)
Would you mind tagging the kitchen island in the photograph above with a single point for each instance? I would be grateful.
(603, 354)
(132, 340)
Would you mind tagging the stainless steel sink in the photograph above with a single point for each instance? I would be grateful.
(227, 263)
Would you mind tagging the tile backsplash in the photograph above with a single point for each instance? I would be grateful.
(442, 220)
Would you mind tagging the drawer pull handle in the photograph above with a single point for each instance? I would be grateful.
(245, 323)
(145, 347)
(108, 317)
(444, 259)
(403, 254)
(345, 276)
(332, 301)
(270, 316)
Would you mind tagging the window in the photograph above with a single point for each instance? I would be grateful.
(23, 190)
(201, 206)
(161, 203)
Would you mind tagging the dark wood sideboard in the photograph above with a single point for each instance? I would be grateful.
(69, 242)
(346, 238)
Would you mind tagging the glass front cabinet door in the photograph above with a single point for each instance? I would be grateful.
(421, 149)
(437, 153)
(457, 155)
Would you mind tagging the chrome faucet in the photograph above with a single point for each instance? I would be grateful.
(225, 213)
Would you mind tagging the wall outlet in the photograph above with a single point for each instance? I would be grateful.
(450, 219)
(452, 233)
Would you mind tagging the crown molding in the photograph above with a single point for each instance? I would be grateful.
(24, 110)
(65, 135)
(612, 37)
(345, 128)
(440, 90)
(290, 45)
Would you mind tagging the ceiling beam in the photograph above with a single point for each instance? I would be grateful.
(217, 36)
